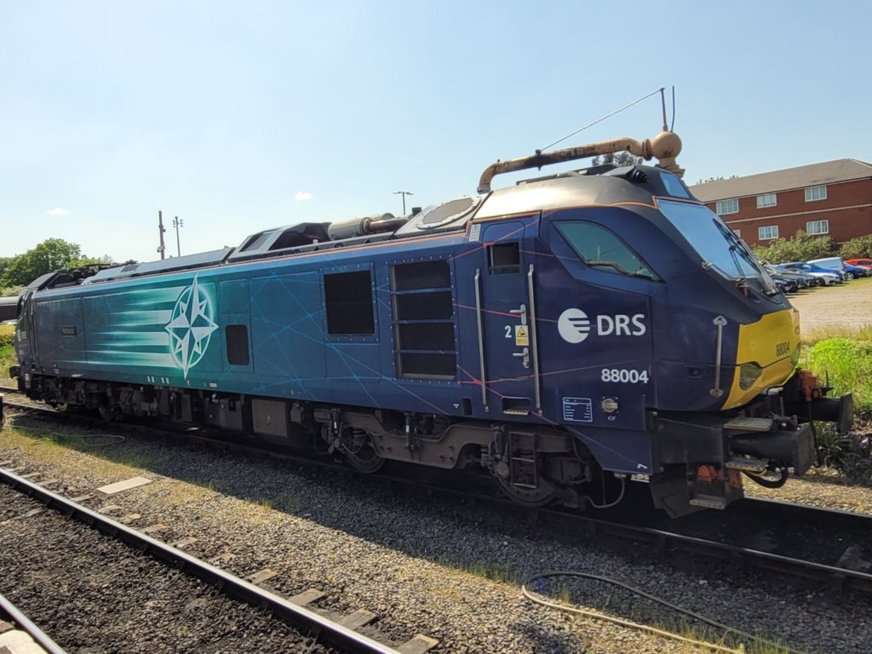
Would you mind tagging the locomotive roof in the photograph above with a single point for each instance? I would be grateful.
(580, 189)
(601, 185)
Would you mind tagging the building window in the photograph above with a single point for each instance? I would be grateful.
(738, 232)
(813, 193)
(766, 200)
(813, 227)
(767, 232)
(728, 206)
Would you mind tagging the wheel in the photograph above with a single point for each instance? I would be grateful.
(359, 451)
(533, 497)
(111, 413)
(849, 276)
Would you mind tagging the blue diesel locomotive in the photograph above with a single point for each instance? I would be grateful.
(566, 335)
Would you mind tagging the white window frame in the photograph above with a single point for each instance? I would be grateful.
(767, 200)
(815, 193)
(727, 206)
(771, 233)
(738, 232)
(812, 225)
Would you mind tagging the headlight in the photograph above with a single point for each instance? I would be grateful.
(748, 374)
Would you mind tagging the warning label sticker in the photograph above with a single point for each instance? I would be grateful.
(521, 335)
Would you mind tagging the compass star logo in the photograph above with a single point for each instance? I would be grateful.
(190, 327)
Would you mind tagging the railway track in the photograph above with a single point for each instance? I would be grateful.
(827, 546)
(830, 546)
(340, 635)
(17, 630)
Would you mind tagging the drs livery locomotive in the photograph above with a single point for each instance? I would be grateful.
(568, 335)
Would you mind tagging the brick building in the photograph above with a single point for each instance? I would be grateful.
(832, 198)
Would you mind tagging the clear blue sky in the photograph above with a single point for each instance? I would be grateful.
(238, 116)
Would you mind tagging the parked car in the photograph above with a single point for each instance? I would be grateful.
(866, 264)
(825, 277)
(856, 271)
(784, 285)
(834, 264)
(795, 280)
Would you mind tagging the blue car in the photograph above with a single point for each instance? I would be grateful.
(826, 276)
(856, 271)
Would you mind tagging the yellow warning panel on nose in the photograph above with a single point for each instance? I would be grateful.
(521, 335)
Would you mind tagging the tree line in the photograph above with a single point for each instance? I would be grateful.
(803, 247)
(51, 254)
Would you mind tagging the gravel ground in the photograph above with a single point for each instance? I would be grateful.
(823, 489)
(93, 594)
(834, 308)
(435, 566)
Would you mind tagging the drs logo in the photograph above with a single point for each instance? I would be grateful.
(574, 325)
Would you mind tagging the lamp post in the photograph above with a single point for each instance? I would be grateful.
(404, 194)
(178, 223)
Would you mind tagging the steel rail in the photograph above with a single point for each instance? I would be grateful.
(589, 522)
(25, 624)
(862, 580)
(331, 632)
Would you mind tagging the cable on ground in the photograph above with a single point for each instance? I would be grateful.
(635, 625)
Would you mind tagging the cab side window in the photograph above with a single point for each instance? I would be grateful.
(601, 248)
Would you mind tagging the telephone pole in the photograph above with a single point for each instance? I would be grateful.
(162, 247)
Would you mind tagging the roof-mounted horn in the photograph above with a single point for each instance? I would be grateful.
(665, 147)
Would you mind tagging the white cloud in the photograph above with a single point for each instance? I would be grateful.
(58, 211)
(302, 196)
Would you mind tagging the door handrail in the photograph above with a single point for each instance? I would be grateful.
(483, 374)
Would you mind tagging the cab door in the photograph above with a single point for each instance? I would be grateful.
(24, 343)
(507, 316)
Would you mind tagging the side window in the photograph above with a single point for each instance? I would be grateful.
(601, 248)
(503, 258)
(237, 345)
(348, 302)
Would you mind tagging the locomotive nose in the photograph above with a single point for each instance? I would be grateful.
(767, 353)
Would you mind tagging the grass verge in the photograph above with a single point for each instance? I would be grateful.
(7, 354)
(844, 361)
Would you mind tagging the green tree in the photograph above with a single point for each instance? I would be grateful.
(800, 247)
(715, 179)
(857, 248)
(4, 264)
(105, 260)
(51, 254)
(621, 158)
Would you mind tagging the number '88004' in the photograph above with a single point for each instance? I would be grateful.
(624, 376)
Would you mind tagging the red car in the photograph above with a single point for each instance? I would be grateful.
(861, 263)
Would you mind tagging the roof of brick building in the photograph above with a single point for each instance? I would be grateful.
(827, 172)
